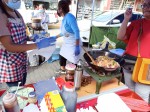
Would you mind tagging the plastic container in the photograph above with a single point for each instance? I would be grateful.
(69, 96)
(32, 97)
(10, 103)
(70, 69)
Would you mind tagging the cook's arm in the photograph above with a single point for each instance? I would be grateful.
(12, 47)
(122, 30)
(59, 35)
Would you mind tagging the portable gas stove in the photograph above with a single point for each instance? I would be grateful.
(100, 77)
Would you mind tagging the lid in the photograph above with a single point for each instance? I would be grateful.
(70, 66)
(32, 94)
(79, 63)
(9, 98)
(69, 85)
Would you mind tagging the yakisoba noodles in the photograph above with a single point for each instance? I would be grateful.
(106, 62)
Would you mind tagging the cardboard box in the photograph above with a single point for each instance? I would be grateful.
(52, 102)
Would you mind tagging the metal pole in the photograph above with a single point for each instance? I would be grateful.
(77, 3)
(93, 4)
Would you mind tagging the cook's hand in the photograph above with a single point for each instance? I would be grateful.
(43, 33)
(35, 37)
(43, 43)
(77, 50)
(128, 14)
(53, 39)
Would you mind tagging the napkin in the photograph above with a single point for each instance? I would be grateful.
(31, 108)
(111, 103)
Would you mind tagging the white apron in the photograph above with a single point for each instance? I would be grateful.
(68, 48)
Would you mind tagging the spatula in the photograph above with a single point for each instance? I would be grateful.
(93, 61)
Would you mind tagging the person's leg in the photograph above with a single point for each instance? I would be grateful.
(142, 90)
(23, 81)
(128, 79)
(62, 62)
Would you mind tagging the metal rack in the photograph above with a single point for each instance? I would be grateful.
(101, 77)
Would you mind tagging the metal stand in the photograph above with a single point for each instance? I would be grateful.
(100, 79)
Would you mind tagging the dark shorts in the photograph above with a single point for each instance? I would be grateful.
(23, 81)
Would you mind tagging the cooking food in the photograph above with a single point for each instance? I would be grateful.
(106, 62)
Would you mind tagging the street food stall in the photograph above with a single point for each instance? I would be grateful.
(86, 94)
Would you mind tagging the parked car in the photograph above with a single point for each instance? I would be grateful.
(111, 18)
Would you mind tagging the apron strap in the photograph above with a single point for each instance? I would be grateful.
(139, 38)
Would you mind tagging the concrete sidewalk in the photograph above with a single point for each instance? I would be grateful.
(44, 71)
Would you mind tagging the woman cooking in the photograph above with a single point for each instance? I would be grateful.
(13, 44)
(70, 49)
(136, 45)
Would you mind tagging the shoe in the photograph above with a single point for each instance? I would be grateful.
(60, 71)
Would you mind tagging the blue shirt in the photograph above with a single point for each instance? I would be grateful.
(70, 24)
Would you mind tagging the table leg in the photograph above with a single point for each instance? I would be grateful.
(98, 86)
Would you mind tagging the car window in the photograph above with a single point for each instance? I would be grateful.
(135, 17)
(106, 16)
(120, 18)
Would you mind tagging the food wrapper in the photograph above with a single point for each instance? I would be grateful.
(112, 45)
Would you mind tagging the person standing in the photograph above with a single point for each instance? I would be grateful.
(13, 44)
(36, 7)
(44, 17)
(71, 47)
(130, 35)
(35, 11)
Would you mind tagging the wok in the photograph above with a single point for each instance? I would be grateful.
(103, 52)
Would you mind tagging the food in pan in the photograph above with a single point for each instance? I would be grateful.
(106, 62)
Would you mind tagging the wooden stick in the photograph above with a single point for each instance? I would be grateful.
(93, 61)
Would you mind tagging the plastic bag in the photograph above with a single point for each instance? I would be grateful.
(112, 45)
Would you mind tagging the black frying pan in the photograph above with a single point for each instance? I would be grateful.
(103, 52)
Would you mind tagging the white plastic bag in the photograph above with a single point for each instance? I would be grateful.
(112, 45)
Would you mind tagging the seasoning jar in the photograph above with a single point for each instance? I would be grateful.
(10, 103)
(32, 97)
(70, 70)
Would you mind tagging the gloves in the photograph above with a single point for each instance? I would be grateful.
(43, 43)
(35, 37)
(43, 32)
(53, 39)
(77, 50)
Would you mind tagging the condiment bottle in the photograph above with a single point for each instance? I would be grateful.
(32, 97)
(70, 68)
(10, 103)
(2, 108)
(78, 75)
(69, 96)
